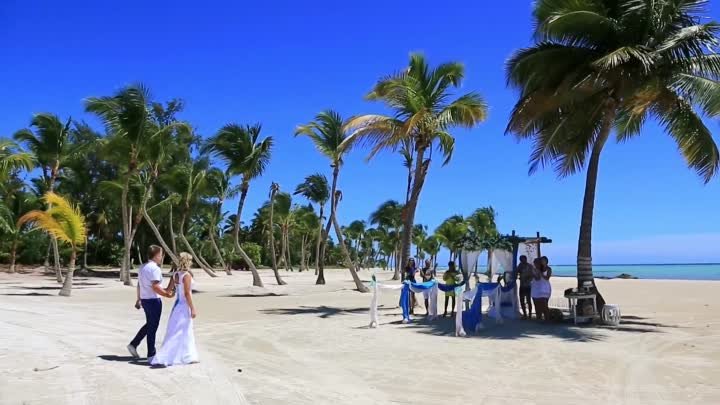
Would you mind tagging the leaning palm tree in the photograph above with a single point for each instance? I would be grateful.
(315, 188)
(51, 147)
(220, 189)
(599, 67)
(355, 232)
(66, 223)
(328, 134)
(15, 205)
(128, 118)
(274, 189)
(247, 155)
(423, 115)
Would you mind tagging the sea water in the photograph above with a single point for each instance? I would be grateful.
(644, 271)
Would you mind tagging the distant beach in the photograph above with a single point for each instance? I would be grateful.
(693, 271)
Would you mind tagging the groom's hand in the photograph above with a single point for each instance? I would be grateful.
(138, 305)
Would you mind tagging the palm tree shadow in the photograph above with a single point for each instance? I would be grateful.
(322, 311)
(270, 294)
(30, 294)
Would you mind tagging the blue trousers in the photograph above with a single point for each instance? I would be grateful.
(153, 310)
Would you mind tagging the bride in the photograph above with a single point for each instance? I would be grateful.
(179, 344)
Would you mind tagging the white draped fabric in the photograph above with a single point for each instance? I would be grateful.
(501, 261)
(469, 260)
(376, 287)
(530, 250)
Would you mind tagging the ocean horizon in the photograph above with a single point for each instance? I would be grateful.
(667, 271)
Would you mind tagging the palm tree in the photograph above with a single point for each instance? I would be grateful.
(307, 224)
(422, 117)
(419, 237)
(12, 159)
(246, 155)
(355, 232)
(432, 247)
(49, 143)
(388, 216)
(451, 233)
(274, 189)
(604, 66)
(220, 189)
(128, 117)
(192, 180)
(328, 134)
(16, 204)
(66, 223)
(315, 188)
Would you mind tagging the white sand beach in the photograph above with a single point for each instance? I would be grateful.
(308, 344)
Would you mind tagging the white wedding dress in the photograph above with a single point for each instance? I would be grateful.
(179, 343)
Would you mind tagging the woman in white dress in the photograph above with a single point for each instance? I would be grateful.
(179, 344)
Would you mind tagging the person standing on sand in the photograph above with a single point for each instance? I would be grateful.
(450, 279)
(540, 289)
(428, 274)
(149, 292)
(179, 344)
(409, 274)
(525, 274)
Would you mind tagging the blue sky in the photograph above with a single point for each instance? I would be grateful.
(280, 63)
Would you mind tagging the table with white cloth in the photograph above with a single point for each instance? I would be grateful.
(573, 298)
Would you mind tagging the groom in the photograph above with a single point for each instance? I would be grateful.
(149, 291)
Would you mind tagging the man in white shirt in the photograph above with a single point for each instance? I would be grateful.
(149, 291)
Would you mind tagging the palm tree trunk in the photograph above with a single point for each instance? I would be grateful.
(207, 270)
(282, 258)
(85, 254)
(348, 260)
(317, 247)
(278, 279)
(333, 189)
(396, 265)
(127, 231)
(584, 255)
(172, 237)
(13, 254)
(257, 281)
(217, 250)
(288, 259)
(160, 239)
(411, 206)
(67, 284)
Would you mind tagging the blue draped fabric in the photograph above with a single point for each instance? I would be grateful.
(508, 287)
(446, 288)
(405, 301)
(472, 317)
(422, 286)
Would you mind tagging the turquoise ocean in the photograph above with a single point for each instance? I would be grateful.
(644, 271)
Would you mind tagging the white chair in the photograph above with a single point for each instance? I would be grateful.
(611, 314)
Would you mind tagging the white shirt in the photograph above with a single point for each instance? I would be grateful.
(147, 274)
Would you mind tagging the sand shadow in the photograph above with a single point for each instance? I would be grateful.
(637, 321)
(271, 294)
(30, 294)
(124, 359)
(508, 330)
(322, 311)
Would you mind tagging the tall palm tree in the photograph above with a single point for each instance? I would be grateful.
(247, 155)
(274, 189)
(66, 223)
(388, 216)
(432, 247)
(423, 115)
(128, 118)
(316, 189)
(601, 66)
(328, 134)
(51, 147)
